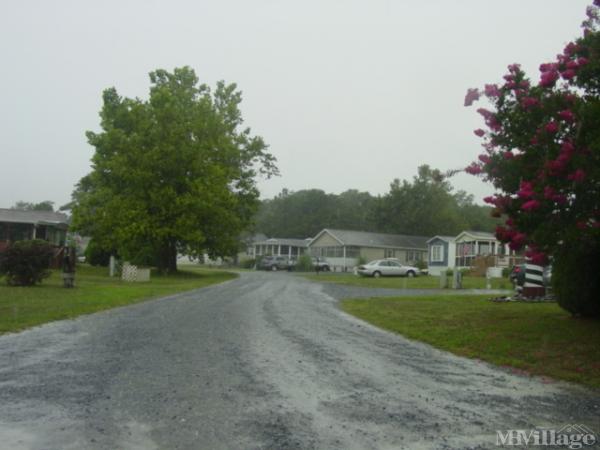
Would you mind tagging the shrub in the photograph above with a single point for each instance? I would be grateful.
(25, 263)
(575, 280)
(96, 255)
(248, 263)
(449, 272)
(505, 272)
(361, 260)
(304, 264)
(421, 265)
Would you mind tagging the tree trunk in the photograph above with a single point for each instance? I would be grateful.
(167, 257)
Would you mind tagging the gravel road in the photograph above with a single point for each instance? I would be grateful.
(267, 361)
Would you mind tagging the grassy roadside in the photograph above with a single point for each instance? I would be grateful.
(421, 282)
(539, 338)
(23, 307)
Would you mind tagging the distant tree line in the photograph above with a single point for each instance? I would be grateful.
(425, 206)
(46, 205)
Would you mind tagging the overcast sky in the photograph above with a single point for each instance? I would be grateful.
(348, 94)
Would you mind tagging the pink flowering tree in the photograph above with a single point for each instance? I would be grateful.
(541, 145)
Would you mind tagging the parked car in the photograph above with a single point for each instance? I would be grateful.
(275, 263)
(320, 264)
(387, 268)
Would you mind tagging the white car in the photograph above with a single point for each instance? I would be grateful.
(387, 268)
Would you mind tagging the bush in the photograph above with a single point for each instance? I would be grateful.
(25, 263)
(248, 263)
(464, 272)
(361, 260)
(421, 265)
(304, 264)
(506, 272)
(96, 256)
(575, 279)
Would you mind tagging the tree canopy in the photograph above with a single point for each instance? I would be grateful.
(427, 205)
(172, 174)
(46, 205)
(542, 153)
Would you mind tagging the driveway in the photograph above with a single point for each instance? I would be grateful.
(267, 361)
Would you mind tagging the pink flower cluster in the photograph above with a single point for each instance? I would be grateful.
(551, 194)
(551, 127)
(567, 115)
(529, 102)
(566, 67)
(530, 205)
(474, 169)
(526, 190)
(490, 119)
(578, 176)
(557, 166)
(491, 91)
(549, 75)
(516, 240)
(536, 257)
(471, 97)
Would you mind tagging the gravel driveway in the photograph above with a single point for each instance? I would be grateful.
(267, 361)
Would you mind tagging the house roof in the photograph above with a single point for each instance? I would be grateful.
(285, 241)
(253, 238)
(478, 235)
(442, 238)
(367, 239)
(33, 217)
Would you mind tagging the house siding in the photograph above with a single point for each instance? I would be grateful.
(325, 240)
(433, 243)
(371, 253)
(448, 262)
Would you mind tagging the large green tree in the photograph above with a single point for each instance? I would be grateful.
(428, 206)
(172, 174)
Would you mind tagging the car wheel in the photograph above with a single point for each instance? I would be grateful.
(274, 268)
(410, 274)
(376, 274)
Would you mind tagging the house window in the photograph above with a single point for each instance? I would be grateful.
(352, 252)
(389, 253)
(437, 253)
(333, 252)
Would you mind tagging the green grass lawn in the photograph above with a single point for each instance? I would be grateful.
(421, 282)
(23, 307)
(539, 338)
